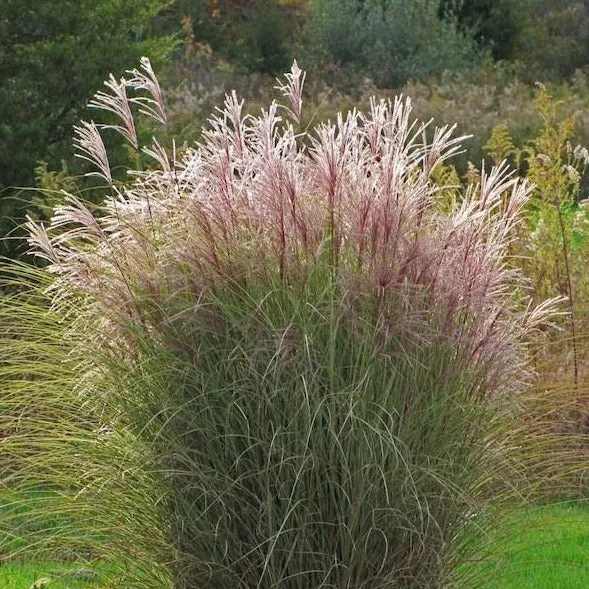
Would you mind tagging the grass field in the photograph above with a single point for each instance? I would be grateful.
(53, 575)
(542, 548)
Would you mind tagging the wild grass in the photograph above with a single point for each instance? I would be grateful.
(60, 467)
(272, 361)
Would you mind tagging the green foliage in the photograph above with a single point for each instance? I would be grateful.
(391, 41)
(54, 55)
(554, 39)
(554, 246)
(74, 493)
(555, 168)
(54, 575)
(497, 96)
(51, 186)
(500, 145)
(446, 177)
(496, 24)
(549, 37)
(285, 439)
(252, 36)
(264, 39)
(201, 21)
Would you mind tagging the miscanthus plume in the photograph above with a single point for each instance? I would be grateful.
(259, 199)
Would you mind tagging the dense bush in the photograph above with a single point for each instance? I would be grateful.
(549, 37)
(267, 40)
(390, 41)
(554, 41)
(251, 36)
(497, 24)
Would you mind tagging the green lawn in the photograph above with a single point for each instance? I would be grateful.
(542, 548)
(20, 514)
(50, 575)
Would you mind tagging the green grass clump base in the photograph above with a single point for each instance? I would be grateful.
(541, 547)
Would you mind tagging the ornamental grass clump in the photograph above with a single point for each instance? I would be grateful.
(306, 356)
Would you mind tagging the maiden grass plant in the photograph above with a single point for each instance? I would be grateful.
(270, 361)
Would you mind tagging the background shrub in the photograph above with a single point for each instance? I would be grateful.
(554, 40)
(496, 24)
(45, 83)
(390, 41)
(251, 36)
